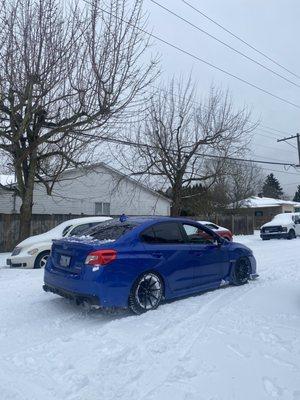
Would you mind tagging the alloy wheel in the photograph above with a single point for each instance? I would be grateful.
(43, 261)
(148, 292)
(242, 270)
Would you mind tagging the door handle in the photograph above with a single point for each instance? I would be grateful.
(156, 254)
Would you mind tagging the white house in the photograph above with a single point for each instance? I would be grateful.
(95, 190)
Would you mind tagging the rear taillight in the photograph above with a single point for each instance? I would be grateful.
(101, 257)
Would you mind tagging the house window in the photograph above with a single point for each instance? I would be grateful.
(102, 208)
(259, 213)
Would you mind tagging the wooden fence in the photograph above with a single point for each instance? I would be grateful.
(237, 224)
(40, 223)
(9, 225)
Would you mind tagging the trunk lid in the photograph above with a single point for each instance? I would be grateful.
(69, 255)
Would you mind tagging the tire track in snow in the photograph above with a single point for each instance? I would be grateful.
(213, 307)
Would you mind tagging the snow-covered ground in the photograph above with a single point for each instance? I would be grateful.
(235, 343)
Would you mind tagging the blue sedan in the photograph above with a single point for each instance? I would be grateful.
(136, 263)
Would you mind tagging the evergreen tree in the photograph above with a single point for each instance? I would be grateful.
(297, 194)
(272, 188)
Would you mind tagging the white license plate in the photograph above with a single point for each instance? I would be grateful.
(64, 261)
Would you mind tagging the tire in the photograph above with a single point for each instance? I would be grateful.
(41, 259)
(241, 271)
(146, 293)
(291, 234)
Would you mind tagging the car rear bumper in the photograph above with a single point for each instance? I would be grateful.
(21, 261)
(79, 298)
(275, 235)
(107, 287)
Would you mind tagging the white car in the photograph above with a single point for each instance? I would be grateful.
(220, 230)
(34, 251)
(285, 225)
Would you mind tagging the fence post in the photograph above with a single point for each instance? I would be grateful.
(232, 224)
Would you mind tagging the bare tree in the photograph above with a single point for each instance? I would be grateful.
(68, 72)
(244, 180)
(180, 137)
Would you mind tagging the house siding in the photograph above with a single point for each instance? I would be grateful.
(78, 192)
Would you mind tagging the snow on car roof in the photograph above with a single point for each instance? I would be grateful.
(283, 218)
(57, 231)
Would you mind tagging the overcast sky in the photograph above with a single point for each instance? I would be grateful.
(270, 25)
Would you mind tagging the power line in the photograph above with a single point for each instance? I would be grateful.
(211, 156)
(297, 136)
(174, 46)
(276, 130)
(280, 172)
(224, 43)
(276, 135)
(240, 39)
(266, 158)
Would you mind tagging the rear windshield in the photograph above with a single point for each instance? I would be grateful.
(112, 230)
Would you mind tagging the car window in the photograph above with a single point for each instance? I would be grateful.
(66, 229)
(212, 226)
(166, 232)
(197, 235)
(148, 235)
(79, 229)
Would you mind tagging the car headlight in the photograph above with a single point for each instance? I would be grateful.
(33, 251)
(16, 251)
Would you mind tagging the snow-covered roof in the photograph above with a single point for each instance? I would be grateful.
(261, 202)
(6, 179)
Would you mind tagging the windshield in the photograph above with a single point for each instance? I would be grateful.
(282, 218)
(66, 229)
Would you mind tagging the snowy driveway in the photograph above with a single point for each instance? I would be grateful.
(235, 343)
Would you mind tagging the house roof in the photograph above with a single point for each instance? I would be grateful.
(6, 179)
(261, 202)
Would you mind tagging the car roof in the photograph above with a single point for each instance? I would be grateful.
(85, 220)
(138, 220)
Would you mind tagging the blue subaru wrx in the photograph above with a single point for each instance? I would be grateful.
(137, 262)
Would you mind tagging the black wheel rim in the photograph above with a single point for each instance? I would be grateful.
(242, 270)
(148, 292)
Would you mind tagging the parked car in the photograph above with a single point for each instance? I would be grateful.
(34, 251)
(141, 261)
(220, 230)
(285, 225)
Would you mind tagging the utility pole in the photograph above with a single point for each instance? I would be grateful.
(297, 136)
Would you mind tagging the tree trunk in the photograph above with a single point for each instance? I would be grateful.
(177, 201)
(25, 217)
(28, 171)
